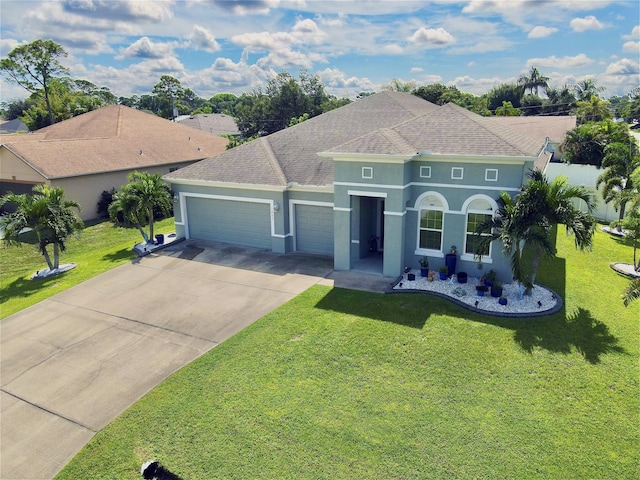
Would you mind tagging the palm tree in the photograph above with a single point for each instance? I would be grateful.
(620, 161)
(514, 232)
(632, 292)
(547, 204)
(587, 89)
(593, 110)
(533, 80)
(137, 200)
(48, 214)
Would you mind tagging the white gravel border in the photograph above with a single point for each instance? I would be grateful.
(542, 301)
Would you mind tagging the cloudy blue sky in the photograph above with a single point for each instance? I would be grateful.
(215, 46)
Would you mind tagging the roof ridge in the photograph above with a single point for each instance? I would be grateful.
(396, 139)
(273, 161)
(119, 121)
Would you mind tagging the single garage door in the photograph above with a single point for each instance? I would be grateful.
(314, 229)
(228, 221)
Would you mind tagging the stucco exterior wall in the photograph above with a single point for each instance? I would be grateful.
(87, 189)
(13, 169)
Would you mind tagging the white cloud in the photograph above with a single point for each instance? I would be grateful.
(623, 67)
(631, 47)
(416, 70)
(339, 84)
(621, 77)
(541, 32)
(587, 23)
(286, 58)
(247, 7)
(477, 86)
(307, 31)
(431, 37)
(471, 64)
(203, 39)
(264, 40)
(579, 60)
(393, 49)
(634, 35)
(123, 10)
(145, 48)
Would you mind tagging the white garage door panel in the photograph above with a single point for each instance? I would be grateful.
(314, 229)
(228, 221)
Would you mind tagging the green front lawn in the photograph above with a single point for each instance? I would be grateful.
(353, 385)
(99, 248)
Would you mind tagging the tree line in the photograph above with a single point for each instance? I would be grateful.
(285, 100)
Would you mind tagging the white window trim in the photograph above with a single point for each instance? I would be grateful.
(432, 252)
(466, 210)
(425, 172)
(367, 173)
(486, 175)
(454, 171)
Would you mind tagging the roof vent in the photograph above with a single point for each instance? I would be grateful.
(199, 149)
(140, 152)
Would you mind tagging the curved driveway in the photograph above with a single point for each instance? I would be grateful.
(72, 363)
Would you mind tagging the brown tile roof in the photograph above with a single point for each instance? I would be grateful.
(296, 148)
(554, 127)
(212, 123)
(109, 139)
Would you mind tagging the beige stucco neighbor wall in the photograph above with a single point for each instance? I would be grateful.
(13, 169)
(87, 189)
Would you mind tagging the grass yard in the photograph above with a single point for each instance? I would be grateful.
(346, 384)
(99, 248)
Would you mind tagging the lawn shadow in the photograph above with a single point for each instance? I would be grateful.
(122, 254)
(24, 286)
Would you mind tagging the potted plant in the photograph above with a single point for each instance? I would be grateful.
(496, 289)
(489, 277)
(444, 272)
(431, 275)
(424, 266)
(481, 289)
(453, 249)
(502, 300)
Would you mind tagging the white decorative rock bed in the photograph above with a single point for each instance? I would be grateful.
(65, 267)
(143, 248)
(542, 300)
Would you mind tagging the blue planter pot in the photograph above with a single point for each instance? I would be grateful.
(450, 261)
(502, 301)
(443, 276)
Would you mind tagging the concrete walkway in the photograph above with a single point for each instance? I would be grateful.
(74, 362)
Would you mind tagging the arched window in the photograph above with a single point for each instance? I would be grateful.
(431, 223)
(479, 210)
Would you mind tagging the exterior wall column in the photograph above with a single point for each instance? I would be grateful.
(394, 224)
(342, 238)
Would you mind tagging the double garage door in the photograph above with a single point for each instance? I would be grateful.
(249, 224)
(229, 221)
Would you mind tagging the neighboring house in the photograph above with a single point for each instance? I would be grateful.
(553, 129)
(212, 123)
(13, 126)
(391, 173)
(96, 151)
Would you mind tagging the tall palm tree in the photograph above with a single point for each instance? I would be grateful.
(514, 232)
(586, 89)
(533, 80)
(137, 200)
(52, 218)
(547, 204)
(620, 161)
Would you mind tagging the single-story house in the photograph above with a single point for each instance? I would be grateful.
(390, 177)
(213, 123)
(13, 126)
(96, 151)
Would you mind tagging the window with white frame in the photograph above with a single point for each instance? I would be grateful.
(425, 172)
(457, 173)
(431, 223)
(491, 175)
(478, 212)
(367, 172)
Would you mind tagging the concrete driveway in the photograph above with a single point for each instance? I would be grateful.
(72, 363)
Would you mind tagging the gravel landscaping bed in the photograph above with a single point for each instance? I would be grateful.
(542, 300)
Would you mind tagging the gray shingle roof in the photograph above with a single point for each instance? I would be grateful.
(384, 123)
(212, 123)
(553, 127)
(109, 139)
